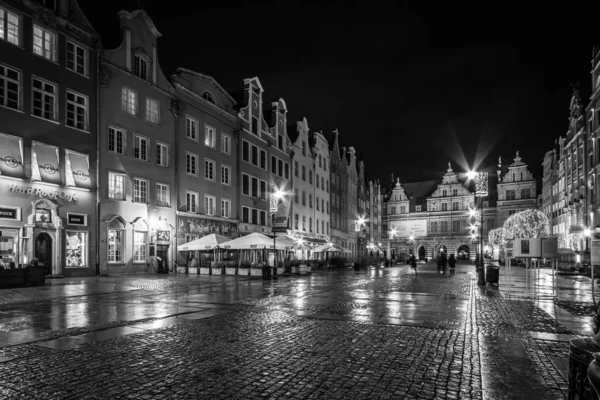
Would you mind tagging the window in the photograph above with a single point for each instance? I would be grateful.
(455, 226)
(444, 206)
(209, 205)
(310, 203)
(327, 207)
(280, 142)
(320, 161)
(304, 173)
(304, 222)
(296, 221)
(9, 26)
(129, 101)
(162, 154)
(76, 249)
(444, 193)
(140, 67)
(255, 125)
(317, 224)
(526, 193)
(162, 195)
(296, 168)
(44, 99)
(191, 128)
(140, 148)
(273, 164)
(139, 246)
(209, 136)
(77, 58)
(246, 184)
(443, 226)
(325, 168)
(310, 176)
(303, 148)
(116, 140)
(246, 151)
(263, 159)
(225, 175)
(225, 208)
(116, 186)
(191, 201)
(225, 143)
(44, 42)
(140, 190)
(454, 192)
(303, 198)
(287, 171)
(209, 170)
(455, 205)
(77, 110)
(263, 190)
(317, 201)
(402, 209)
(115, 245)
(280, 164)
(310, 224)
(510, 195)
(206, 95)
(327, 185)
(9, 85)
(191, 163)
(263, 218)
(317, 181)
(152, 111)
(296, 196)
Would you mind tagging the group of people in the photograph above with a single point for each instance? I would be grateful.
(442, 262)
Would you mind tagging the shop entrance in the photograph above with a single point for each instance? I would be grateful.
(162, 258)
(43, 252)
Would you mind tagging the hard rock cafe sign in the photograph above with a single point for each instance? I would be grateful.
(41, 192)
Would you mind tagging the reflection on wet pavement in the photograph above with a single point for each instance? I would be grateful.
(377, 333)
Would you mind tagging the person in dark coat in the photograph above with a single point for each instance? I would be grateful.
(452, 263)
(444, 262)
(413, 263)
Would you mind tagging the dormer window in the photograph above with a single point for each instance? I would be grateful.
(140, 67)
(206, 95)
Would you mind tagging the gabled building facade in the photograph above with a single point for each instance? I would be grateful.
(48, 135)
(136, 194)
(206, 158)
(320, 151)
(253, 170)
(337, 190)
(351, 193)
(516, 189)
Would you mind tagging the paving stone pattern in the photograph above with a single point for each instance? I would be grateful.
(377, 334)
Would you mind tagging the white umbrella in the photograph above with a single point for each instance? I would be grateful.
(255, 240)
(208, 242)
(330, 248)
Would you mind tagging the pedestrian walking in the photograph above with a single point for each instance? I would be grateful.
(439, 262)
(413, 263)
(444, 262)
(452, 263)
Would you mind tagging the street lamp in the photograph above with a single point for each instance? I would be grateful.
(276, 196)
(481, 190)
(360, 222)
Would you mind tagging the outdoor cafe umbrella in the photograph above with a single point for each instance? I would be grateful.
(330, 248)
(208, 242)
(251, 241)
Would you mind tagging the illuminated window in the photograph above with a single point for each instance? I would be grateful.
(115, 245)
(152, 111)
(76, 249)
(9, 26)
(116, 140)
(162, 195)
(191, 201)
(129, 101)
(116, 186)
(77, 111)
(140, 67)
(9, 86)
(225, 143)
(140, 148)
(209, 205)
(162, 154)
(140, 190)
(44, 99)
(209, 136)
(225, 208)
(44, 42)
(191, 128)
(139, 246)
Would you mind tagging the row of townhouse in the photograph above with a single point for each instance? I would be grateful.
(571, 174)
(107, 163)
(423, 218)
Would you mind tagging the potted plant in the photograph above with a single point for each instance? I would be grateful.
(205, 268)
(295, 264)
(231, 270)
(303, 267)
(244, 269)
(280, 268)
(256, 269)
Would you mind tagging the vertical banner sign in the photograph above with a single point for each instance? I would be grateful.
(481, 184)
(595, 252)
(356, 226)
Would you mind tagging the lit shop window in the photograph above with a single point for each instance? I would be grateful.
(115, 246)
(77, 249)
(139, 246)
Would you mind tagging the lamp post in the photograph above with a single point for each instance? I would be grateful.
(276, 196)
(481, 190)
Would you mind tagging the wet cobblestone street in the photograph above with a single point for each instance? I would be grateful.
(373, 334)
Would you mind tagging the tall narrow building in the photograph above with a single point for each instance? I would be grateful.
(48, 134)
(137, 147)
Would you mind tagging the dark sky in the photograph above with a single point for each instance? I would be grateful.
(411, 86)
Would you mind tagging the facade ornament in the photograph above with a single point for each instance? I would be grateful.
(45, 16)
(449, 167)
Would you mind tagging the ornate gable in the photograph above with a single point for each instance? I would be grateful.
(517, 171)
(450, 183)
(398, 193)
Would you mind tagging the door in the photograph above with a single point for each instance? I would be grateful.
(43, 252)
(162, 253)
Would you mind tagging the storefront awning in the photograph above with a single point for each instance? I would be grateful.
(11, 156)
(314, 240)
(44, 163)
(77, 170)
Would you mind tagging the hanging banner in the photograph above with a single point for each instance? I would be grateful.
(415, 227)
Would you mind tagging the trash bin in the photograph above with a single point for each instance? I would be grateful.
(492, 274)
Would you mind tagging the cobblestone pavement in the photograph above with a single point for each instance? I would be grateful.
(373, 334)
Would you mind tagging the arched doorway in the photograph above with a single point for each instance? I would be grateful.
(462, 253)
(421, 252)
(43, 252)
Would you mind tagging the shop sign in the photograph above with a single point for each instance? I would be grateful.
(9, 213)
(76, 219)
(39, 192)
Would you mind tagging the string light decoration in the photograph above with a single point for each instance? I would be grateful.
(526, 224)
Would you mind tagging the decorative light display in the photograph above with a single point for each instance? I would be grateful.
(481, 184)
(526, 224)
(496, 236)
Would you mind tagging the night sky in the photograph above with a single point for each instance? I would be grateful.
(411, 87)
